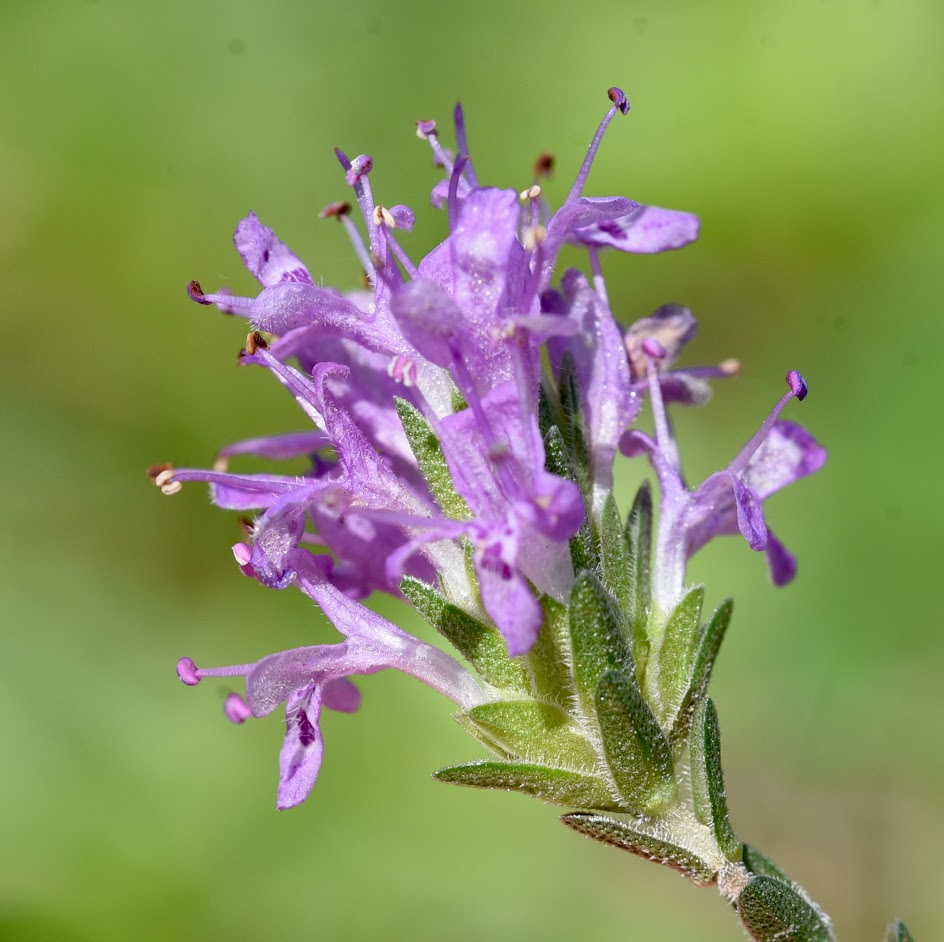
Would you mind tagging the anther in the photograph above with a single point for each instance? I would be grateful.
(425, 129)
(187, 672)
(163, 477)
(236, 709)
(730, 367)
(531, 193)
(652, 348)
(156, 470)
(242, 553)
(335, 211)
(254, 341)
(543, 166)
(797, 384)
(618, 97)
(360, 167)
(195, 293)
(382, 215)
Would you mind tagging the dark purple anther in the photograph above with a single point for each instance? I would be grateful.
(652, 348)
(236, 709)
(187, 672)
(797, 384)
(618, 97)
(196, 293)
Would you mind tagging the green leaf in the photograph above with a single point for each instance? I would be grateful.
(638, 755)
(759, 863)
(619, 834)
(549, 658)
(614, 554)
(711, 806)
(557, 786)
(774, 912)
(558, 461)
(639, 542)
(677, 651)
(709, 644)
(538, 733)
(429, 456)
(482, 645)
(572, 422)
(597, 644)
(897, 931)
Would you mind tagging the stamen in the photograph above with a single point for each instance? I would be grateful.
(797, 384)
(798, 389)
(254, 341)
(363, 256)
(543, 166)
(652, 348)
(334, 211)
(236, 709)
(360, 167)
(531, 193)
(196, 293)
(730, 367)
(187, 672)
(399, 253)
(599, 284)
(164, 477)
(425, 130)
(620, 104)
(383, 216)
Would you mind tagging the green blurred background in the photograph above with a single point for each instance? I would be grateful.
(807, 136)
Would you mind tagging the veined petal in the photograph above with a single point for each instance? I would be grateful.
(268, 259)
(787, 454)
(645, 229)
(303, 747)
(750, 514)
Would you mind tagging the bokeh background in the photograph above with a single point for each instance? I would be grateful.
(808, 137)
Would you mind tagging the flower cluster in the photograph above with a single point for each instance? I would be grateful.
(464, 417)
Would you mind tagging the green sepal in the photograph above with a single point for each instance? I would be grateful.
(572, 423)
(772, 911)
(619, 834)
(677, 651)
(897, 931)
(614, 555)
(548, 658)
(557, 786)
(482, 645)
(458, 402)
(534, 732)
(597, 644)
(432, 462)
(638, 755)
(557, 461)
(710, 803)
(709, 643)
(759, 863)
(547, 411)
(639, 546)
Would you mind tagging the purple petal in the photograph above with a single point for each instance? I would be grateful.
(429, 319)
(750, 514)
(303, 747)
(787, 454)
(781, 562)
(342, 695)
(672, 325)
(289, 305)
(278, 447)
(268, 259)
(510, 603)
(647, 229)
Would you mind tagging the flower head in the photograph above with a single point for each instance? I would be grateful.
(446, 463)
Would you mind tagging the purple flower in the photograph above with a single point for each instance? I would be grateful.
(433, 441)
